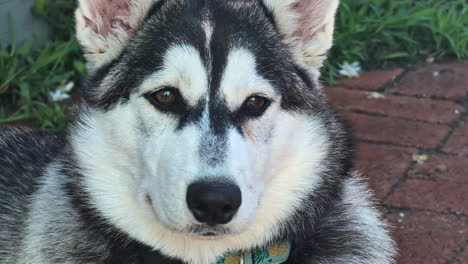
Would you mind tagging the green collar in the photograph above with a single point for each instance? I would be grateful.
(277, 254)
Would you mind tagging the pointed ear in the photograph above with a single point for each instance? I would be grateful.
(307, 26)
(103, 27)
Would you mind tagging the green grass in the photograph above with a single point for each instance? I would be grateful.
(386, 33)
(377, 33)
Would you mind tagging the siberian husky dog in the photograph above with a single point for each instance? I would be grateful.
(203, 132)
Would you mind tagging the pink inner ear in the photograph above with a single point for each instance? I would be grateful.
(109, 15)
(312, 12)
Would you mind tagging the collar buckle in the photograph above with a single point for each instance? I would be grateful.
(242, 259)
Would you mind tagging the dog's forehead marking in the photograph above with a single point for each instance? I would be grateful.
(241, 78)
(183, 69)
(207, 26)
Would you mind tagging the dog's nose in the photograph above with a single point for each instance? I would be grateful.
(213, 203)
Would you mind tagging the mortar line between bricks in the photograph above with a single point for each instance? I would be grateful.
(437, 152)
(435, 98)
(400, 182)
(420, 150)
(418, 210)
(389, 144)
(373, 114)
(458, 253)
(454, 126)
(379, 143)
(395, 82)
(432, 180)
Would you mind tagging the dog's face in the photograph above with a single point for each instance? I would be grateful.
(203, 128)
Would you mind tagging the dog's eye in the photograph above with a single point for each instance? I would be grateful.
(165, 97)
(255, 105)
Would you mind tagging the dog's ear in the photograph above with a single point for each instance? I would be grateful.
(307, 26)
(104, 26)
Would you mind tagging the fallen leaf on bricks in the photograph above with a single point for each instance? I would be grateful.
(375, 95)
(419, 159)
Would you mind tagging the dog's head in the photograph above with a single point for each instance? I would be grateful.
(204, 128)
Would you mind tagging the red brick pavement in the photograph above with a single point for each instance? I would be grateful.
(399, 117)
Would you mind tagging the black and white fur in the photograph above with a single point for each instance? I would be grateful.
(113, 189)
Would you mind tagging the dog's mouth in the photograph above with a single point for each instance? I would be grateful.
(200, 230)
(206, 231)
(209, 234)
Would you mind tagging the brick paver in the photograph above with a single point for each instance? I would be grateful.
(449, 81)
(404, 107)
(396, 131)
(444, 197)
(412, 146)
(372, 80)
(427, 238)
(383, 165)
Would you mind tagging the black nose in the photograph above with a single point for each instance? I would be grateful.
(213, 203)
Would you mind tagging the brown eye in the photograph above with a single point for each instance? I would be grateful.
(255, 103)
(165, 97)
(254, 106)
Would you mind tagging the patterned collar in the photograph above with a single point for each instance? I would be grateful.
(276, 254)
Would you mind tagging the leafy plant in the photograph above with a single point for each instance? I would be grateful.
(27, 76)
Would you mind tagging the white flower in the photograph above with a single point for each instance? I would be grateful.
(59, 95)
(67, 88)
(350, 69)
(375, 95)
(62, 91)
